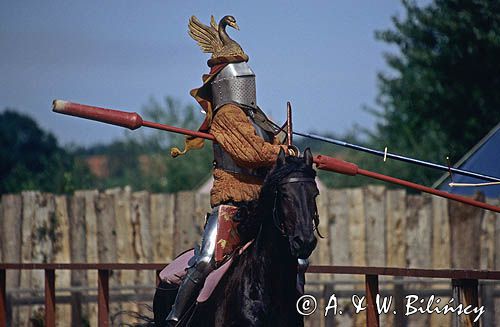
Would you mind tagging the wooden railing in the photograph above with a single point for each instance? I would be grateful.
(464, 282)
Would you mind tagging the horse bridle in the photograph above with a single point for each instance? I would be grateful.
(276, 220)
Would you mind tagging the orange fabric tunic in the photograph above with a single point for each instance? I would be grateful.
(236, 135)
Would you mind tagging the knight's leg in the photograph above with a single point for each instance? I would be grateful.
(302, 265)
(164, 298)
(197, 273)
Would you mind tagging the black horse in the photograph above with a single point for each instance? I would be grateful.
(260, 287)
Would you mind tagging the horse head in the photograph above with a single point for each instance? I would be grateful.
(292, 187)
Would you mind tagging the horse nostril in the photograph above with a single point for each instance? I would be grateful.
(297, 243)
(303, 248)
(309, 246)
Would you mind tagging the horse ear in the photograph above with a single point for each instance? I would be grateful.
(281, 157)
(308, 158)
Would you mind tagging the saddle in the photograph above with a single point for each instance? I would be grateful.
(227, 245)
(176, 270)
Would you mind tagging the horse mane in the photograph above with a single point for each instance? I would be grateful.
(252, 214)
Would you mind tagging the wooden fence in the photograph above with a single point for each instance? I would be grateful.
(370, 226)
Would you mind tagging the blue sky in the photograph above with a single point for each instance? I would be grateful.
(320, 55)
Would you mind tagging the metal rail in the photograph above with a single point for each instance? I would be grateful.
(464, 282)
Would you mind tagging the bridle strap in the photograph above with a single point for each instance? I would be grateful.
(297, 180)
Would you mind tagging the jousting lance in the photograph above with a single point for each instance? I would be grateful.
(133, 120)
(399, 157)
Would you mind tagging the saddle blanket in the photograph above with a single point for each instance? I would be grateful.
(176, 270)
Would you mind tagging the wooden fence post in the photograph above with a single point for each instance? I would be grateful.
(91, 246)
(185, 234)
(50, 298)
(357, 238)
(63, 254)
(162, 224)
(78, 247)
(141, 223)
(376, 236)
(3, 299)
(375, 220)
(121, 198)
(419, 242)
(11, 225)
(396, 213)
(465, 224)
(340, 254)
(372, 316)
(466, 293)
(103, 298)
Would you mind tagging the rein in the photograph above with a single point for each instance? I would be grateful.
(297, 180)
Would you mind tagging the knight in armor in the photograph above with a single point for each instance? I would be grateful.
(247, 145)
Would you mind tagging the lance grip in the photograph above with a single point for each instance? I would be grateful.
(131, 120)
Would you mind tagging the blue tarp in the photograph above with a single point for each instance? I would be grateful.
(484, 160)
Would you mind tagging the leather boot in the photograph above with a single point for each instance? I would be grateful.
(163, 300)
(188, 292)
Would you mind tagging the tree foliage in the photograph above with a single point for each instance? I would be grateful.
(185, 172)
(142, 159)
(441, 96)
(31, 159)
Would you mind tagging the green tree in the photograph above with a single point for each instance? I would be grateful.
(31, 159)
(142, 159)
(441, 96)
(186, 172)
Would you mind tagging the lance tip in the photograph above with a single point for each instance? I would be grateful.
(58, 105)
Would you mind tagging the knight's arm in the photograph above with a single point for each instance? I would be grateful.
(234, 132)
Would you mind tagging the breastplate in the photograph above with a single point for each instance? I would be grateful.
(222, 159)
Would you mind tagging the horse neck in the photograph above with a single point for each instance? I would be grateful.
(280, 268)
